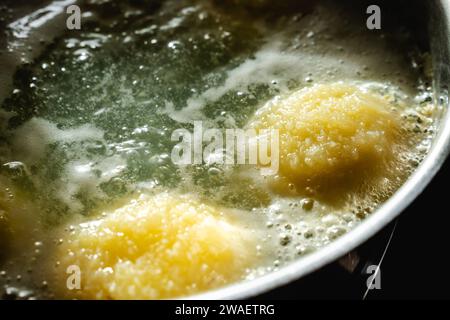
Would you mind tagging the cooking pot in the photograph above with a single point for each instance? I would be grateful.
(438, 25)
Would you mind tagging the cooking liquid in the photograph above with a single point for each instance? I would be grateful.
(90, 121)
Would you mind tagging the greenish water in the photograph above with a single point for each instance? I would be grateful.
(118, 75)
(138, 70)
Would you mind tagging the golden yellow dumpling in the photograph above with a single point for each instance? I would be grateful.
(330, 131)
(161, 246)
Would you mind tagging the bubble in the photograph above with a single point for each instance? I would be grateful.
(15, 169)
(38, 244)
(307, 204)
(214, 171)
(308, 234)
(335, 232)
(15, 293)
(285, 239)
(300, 249)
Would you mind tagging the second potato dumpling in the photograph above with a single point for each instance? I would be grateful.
(330, 131)
(154, 247)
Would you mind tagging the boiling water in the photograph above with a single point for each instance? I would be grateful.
(90, 121)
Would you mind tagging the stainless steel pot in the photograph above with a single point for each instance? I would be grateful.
(439, 20)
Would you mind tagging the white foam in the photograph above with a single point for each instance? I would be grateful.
(270, 63)
(83, 176)
(30, 141)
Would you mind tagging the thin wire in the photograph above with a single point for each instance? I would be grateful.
(382, 257)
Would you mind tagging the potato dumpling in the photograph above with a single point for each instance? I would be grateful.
(330, 131)
(161, 246)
